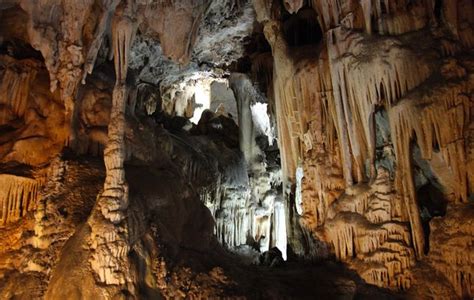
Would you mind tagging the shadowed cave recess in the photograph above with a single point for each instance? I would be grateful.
(251, 149)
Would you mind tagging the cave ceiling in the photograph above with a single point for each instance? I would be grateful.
(236, 149)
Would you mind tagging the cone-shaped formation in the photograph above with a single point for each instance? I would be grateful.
(18, 196)
(327, 108)
(109, 237)
(234, 133)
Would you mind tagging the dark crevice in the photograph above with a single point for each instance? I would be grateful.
(14, 37)
(383, 8)
(430, 196)
(302, 29)
(438, 8)
(19, 50)
(382, 93)
(432, 203)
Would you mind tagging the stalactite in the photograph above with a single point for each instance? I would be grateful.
(298, 99)
(42, 34)
(241, 196)
(293, 6)
(262, 70)
(280, 54)
(245, 92)
(394, 18)
(245, 210)
(233, 216)
(451, 248)
(15, 86)
(383, 84)
(69, 36)
(470, 156)
(442, 122)
(326, 109)
(329, 11)
(322, 184)
(18, 196)
(363, 225)
(58, 35)
(108, 8)
(361, 240)
(385, 17)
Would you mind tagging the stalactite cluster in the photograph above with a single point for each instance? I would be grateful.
(197, 149)
(451, 250)
(15, 87)
(19, 196)
(325, 110)
(368, 224)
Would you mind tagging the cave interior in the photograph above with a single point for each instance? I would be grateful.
(260, 149)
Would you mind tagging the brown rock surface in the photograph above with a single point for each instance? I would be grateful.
(156, 149)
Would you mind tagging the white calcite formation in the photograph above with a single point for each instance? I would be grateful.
(245, 201)
(141, 140)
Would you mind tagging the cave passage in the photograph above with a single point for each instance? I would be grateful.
(432, 203)
(302, 28)
(247, 149)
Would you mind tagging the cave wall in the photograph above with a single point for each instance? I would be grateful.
(121, 244)
(410, 60)
(372, 104)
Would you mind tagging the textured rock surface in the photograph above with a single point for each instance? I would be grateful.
(156, 149)
(326, 104)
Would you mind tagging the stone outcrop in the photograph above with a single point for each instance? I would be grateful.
(326, 105)
(157, 148)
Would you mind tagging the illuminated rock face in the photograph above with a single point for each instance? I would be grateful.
(328, 129)
(360, 190)
(19, 196)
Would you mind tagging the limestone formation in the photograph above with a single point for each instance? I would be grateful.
(19, 196)
(236, 149)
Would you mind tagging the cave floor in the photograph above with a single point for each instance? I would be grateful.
(304, 280)
(294, 279)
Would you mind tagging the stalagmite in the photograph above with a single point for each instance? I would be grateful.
(109, 235)
(335, 134)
